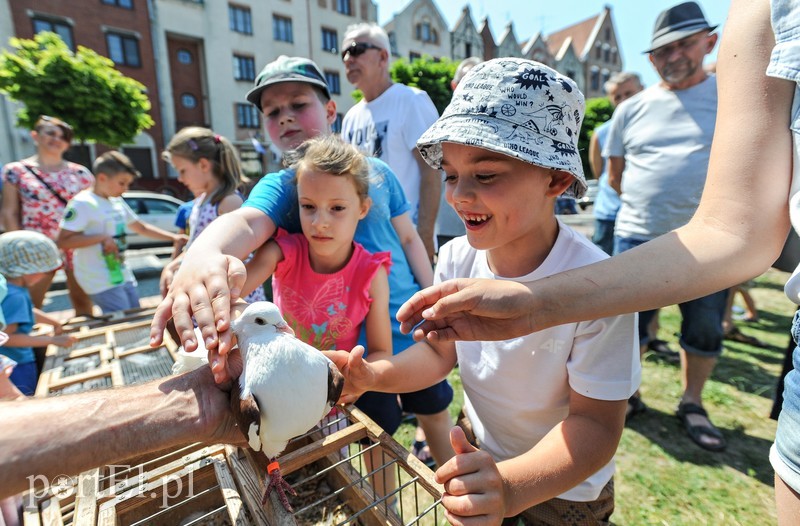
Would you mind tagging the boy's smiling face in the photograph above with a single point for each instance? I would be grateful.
(294, 112)
(506, 205)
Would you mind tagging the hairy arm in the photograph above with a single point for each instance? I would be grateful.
(101, 427)
(616, 165)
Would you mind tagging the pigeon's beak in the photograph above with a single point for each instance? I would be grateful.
(282, 326)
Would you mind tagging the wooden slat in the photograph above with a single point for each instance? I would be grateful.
(30, 514)
(233, 501)
(51, 512)
(117, 378)
(248, 481)
(321, 448)
(60, 383)
(107, 516)
(86, 499)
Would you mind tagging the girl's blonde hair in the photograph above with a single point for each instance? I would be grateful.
(195, 143)
(330, 155)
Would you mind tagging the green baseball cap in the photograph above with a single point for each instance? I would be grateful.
(287, 69)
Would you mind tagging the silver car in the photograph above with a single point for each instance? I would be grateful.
(157, 209)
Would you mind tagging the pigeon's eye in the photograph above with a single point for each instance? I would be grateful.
(261, 321)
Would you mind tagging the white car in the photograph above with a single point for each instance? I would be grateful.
(157, 209)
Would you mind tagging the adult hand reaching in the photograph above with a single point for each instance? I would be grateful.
(469, 310)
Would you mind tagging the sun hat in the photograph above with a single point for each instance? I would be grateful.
(25, 252)
(678, 22)
(287, 69)
(516, 107)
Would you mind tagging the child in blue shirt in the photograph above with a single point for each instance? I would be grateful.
(25, 257)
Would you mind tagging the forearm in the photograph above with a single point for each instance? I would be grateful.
(70, 434)
(10, 221)
(28, 340)
(79, 240)
(565, 457)
(41, 317)
(154, 232)
(430, 194)
(403, 372)
(232, 234)
(414, 250)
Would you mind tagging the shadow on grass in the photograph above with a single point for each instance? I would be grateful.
(746, 454)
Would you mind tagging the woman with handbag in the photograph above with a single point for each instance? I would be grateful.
(35, 193)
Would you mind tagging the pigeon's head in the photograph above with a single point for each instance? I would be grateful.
(259, 317)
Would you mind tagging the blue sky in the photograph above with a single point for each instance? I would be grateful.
(633, 20)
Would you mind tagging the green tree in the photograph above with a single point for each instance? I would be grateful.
(82, 88)
(598, 111)
(431, 76)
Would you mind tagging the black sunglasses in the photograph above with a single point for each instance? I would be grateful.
(357, 48)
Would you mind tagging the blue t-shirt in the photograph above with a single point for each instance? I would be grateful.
(182, 216)
(276, 196)
(18, 308)
(606, 204)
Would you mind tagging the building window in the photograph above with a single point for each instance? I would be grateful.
(467, 49)
(334, 85)
(614, 55)
(412, 56)
(608, 34)
(598, 51)
(185, 56)
(344, 7)
(188, 101)
(426, 33)
(58, 27)
(244, 68)
(393, 43)
(282, 28)
(606, 53)
(123, 49)
(595, 79)
(127, 4)
(240, 19)
(605, 76)
(336, 127)
(330, 40)
(247, 116)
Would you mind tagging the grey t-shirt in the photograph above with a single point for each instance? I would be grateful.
(665, 137)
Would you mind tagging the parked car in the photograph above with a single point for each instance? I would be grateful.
(157, 209)
(591, 194)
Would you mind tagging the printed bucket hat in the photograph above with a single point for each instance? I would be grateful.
(516, 107)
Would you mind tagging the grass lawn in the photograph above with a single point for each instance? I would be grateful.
(662, 476)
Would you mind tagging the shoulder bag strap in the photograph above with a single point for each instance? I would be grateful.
(32, 170)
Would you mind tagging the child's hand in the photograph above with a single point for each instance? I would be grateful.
(110, 246)
(8, 391)
(63, 340)
(472, 483)
(359, 375)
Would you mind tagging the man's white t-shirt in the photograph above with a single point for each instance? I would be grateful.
(90, 214)
(665, 137)
(516, 391)
(388, 128)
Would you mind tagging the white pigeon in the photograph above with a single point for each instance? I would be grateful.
(189, 361)
(287, 386)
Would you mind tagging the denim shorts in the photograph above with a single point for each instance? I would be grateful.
(387, 412)
(785, 452)
(24, 377)
(701, 319)
(121, 297)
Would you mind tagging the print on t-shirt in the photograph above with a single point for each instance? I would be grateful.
(370, 139)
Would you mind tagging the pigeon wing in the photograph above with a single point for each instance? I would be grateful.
(335, 384)
(247, 415)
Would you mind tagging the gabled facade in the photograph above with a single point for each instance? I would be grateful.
(508, 46)
(489, 46)
(536, 49)
(595, 43)
(568, 63)
(418, 30)
(465, 40)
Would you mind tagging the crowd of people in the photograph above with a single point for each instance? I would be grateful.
(347, 231)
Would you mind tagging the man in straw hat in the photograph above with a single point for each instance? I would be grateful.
(658, 149)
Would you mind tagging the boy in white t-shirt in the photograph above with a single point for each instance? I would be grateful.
(546, 410)
(95, 224)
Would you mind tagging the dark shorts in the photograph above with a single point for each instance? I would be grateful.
(701, 319)
(387, 411)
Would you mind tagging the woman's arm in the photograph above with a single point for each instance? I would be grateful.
(595, 157)
(10, 208)
(378, 324)
(262, 266)
(414, 249)
(736, 233)
(229, 203)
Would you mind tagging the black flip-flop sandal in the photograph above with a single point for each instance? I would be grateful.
(697, 432)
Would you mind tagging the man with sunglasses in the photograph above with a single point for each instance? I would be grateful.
(387, 122)
(658, 148)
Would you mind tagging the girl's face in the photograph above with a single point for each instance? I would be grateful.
(197, 177)
(330, 209)
(50, 139)
(506, 205)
